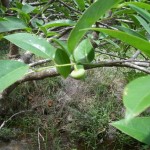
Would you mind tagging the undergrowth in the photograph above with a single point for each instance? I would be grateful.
(70, 114)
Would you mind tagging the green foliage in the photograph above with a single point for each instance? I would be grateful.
(136, 103)
(142, 12)
(87, 21)
(143, 23)
(61, 58)
(137, 127)
(80, 4)
(127, 38)
(84, 53)
(11, 23)
(78, 51)
(33, 43)
(59, 23)
(10, 72)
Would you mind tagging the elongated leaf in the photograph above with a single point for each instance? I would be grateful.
(139, 4)
(80, 4)
(84, 53)
(32, 43)
(63, 45)
(143, 23)
(11, 23)
(136, 96)
(142, 12)
(11, 71)
(124, 11)
(61, 58)
(138, 128)
(91, 15)
(127, 38)
(130, 31)
(59, 23)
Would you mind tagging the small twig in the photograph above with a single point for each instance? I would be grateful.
(39, 62)
(63, 33)
(136, 54)
(131, 65)
(18, 113)
(39, 144)
(106, 25)
(109, 54)
(41, 136)
(124, 63)
(37, 3)
(123, 20)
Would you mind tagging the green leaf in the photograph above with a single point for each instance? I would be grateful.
(11, 71)
(130, 31)
(127, 38)
(59, 23)
(138, 128)
(36, 22)
(11, 23)
(136, 96)
(80, 4)
(26, 8)
(91, 15)
(139, 4)
(61, 58)
(123, 11)
(62, 44)
(142, 12)
(24, 16)
(143, 23)
(32, 43)
(84, 53)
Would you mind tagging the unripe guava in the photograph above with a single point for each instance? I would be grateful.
(78, 73)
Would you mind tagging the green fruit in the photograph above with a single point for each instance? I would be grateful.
(78, 74)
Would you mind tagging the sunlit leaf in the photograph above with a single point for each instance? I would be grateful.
(143, 23)
(11, 71)
(84, 53)
(138, 128)
(130, 31)
(127, 38)
(139, 4)
(136, 96)
(59, 23)
(11, 23)
(145, 14)
(91, 15)
(32, 43)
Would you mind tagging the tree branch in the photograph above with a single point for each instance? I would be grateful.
(52, 72)
(39, 62)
